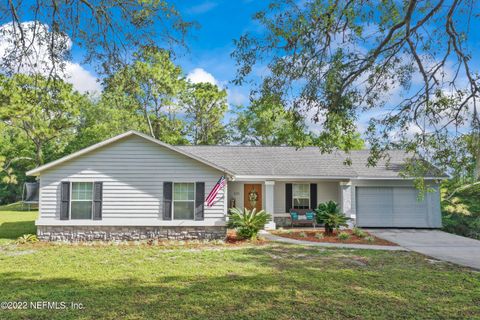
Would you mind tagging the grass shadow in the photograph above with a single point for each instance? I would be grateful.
(13, 230)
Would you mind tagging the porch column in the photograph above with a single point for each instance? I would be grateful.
(346, 196)
(269, 202)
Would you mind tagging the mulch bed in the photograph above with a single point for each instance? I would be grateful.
(310, 236)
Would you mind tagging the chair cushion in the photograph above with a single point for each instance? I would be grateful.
(294, 215)
(310, 215)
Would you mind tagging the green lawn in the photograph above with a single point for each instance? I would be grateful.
(225, 282)
(14, 223)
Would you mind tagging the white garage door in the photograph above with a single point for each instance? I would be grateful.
(396, 207)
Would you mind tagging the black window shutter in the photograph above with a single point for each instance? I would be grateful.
(167, 200)
(65, 200)
(313, 196)
(97, 200)
(199, 200)
(288, 197)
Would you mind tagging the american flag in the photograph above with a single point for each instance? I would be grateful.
(213, 194)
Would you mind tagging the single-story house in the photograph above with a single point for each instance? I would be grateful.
(133, 186)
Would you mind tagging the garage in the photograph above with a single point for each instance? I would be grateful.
(397, 207)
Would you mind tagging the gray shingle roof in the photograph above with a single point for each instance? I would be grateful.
(289, 161)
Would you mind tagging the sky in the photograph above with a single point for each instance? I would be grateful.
(209, 46)
(221, 21)
(208, 58)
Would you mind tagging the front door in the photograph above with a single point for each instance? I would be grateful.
(252, 196)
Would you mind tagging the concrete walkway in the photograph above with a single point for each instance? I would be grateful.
(267, 235)
(436, 244)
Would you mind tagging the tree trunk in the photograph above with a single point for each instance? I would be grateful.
(477, 165)
(149, 122)
(328, 230)
(38, 154)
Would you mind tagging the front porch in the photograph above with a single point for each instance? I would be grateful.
(278, 196)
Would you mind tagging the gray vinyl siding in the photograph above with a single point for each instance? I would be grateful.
(132, 171)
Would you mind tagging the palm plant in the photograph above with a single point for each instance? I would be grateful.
(328, 213)
(247, 223)
(27, 238)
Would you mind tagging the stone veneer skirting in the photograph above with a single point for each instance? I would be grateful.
(119, 233)
(282, 221)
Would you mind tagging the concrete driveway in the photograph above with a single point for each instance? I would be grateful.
(436, 244)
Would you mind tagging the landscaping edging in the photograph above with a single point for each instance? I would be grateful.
(109, 233)
(267, 235)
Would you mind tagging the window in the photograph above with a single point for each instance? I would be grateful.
(183, 201)
(301, 196)
(82, 200)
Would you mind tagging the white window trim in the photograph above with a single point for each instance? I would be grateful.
(194, 199)
(293, 194)
(70, 198)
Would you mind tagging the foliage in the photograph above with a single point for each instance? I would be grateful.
(339, 60)
(302, 235)
(343, 236)
(267, 122)
(319, 235)
(37, 122)
(15, 158)
(151, 86)
(328, 213)
(205, 105)
(370, 239)
(106, 32)
(247, 223)
(102, 120)
(461, 210)
(27, 238)
(43, 116)
(359, 232)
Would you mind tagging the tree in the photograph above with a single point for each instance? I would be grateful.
(102, 120)
(151, 86)
(205, 105)
(267, 122)
(45, 117)
(15, 159)
(105, 30)
(340, 59)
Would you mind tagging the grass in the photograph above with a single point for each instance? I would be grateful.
(273, 281)
(14, 223)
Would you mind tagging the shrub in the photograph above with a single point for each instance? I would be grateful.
(370, 239)
(359, 232)
(319, 236)
(27, 238)
(461, 208)
(247, 223)
(302, 235)
(343, 236)
(329, 214)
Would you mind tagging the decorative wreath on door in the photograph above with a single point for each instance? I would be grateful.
(253, 197)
